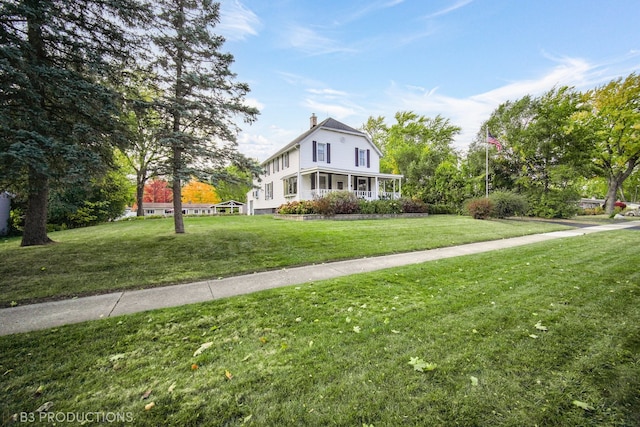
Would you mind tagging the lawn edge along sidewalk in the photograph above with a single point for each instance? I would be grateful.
(57, 313)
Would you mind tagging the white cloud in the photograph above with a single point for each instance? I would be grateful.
(237, 22)
(313, 43)
(457, 5)
(252, 102)
(337, 111)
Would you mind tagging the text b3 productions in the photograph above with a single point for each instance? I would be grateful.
(73, 417)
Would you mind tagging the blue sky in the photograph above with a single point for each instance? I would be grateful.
(352, 59)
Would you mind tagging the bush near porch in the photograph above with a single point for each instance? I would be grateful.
(344, 202)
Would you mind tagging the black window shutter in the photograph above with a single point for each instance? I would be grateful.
(356, 156)
(328, 153)
(329, 178)
(368, 158)
(315, 151)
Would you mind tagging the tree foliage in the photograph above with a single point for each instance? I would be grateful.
(58, 117)
(200, 98)
(612, 123)
(199, 192)
(158, 191)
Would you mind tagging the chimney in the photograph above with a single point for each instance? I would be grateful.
(313, 121)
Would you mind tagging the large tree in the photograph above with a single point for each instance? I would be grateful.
(201, 99)
(541, 159)
(144, 153)
(58, 119)
(613, 122)
(416, 146)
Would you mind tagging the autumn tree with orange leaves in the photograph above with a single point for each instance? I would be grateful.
(199, 192)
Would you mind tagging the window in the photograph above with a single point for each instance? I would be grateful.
(291, 186)
(268, 191)
(363, 157)
(321, 151)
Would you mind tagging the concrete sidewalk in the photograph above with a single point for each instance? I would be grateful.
(57, 313)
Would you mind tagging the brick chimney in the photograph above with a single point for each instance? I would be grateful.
(313, 121)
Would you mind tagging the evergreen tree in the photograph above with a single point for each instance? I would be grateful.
(58, 119)
(201, 98)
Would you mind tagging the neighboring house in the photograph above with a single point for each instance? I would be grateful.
(330, 156)
(166, 209)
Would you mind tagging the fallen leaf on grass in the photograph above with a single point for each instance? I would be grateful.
(202, 348)
(194, 367)
(228, 375)
(539, 326)
(146, 394)
(45, 407)
(474, 381)
(534, 336)
(172, 387)
(149, 406)
(420, 365)
(583, 405)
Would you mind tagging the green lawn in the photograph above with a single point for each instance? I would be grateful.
(546, 334)
(139, 254)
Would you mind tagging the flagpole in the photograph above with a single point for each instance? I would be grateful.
(486, 164)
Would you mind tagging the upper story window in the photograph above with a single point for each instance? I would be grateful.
(321, 152)
(362, 157)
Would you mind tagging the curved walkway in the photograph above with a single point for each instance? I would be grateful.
(57, 313)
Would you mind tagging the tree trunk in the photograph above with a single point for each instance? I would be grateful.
(177, 206)
(140, 194)
(177, 191)
(35, 223)
(610, 199)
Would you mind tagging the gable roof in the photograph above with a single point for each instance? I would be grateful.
(329, 123)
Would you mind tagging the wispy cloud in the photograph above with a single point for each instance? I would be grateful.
(311, 42)
(457, 5)
(371, 7)
(237, 22)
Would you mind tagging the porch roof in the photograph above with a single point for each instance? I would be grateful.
(324, 169)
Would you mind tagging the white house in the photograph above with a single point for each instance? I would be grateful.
(330, 156)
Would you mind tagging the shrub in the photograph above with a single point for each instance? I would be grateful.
(621, 205)
(413, 205)
(591, 211)
(480, 208)
(555, 203)
(506, 204)
(441, 209)
(304, 207)
(343, 202)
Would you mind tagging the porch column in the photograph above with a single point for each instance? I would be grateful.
(349, 186)
(377, 189)
(318, 182)
(299, 185)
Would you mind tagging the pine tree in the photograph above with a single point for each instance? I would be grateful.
(201, 97)
(58, 119)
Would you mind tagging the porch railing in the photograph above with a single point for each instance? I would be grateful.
(365, 195)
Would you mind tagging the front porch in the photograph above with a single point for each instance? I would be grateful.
(320, 182)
